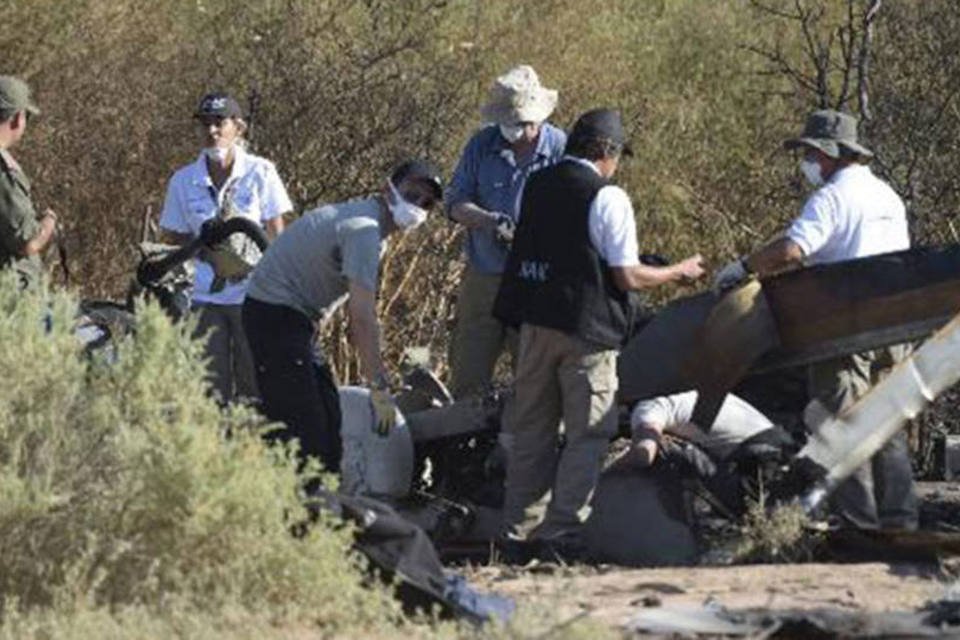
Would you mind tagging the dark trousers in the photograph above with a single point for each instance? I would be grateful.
(881, 493)
(296, 384)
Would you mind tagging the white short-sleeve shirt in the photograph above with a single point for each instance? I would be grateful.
(736, 422)
(257, 193)
(613, 229)
(854, 215)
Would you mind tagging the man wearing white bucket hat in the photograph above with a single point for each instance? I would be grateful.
(483, 196)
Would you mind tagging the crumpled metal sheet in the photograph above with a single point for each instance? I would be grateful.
(844, 442)
(819, 312)
(713, 621)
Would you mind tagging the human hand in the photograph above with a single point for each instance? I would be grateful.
(506, 228)
(49, 220)
(384, 411)
(691, 268)
(732, 274)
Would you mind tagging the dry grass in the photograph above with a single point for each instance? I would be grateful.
(778, 534)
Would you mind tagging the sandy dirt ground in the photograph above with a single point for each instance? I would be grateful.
(612, 595)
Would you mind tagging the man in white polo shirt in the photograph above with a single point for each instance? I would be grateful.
(572, 263)
(852, 214)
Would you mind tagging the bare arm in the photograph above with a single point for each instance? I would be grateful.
(777, 256)
(175, 238)
(39, 242)
(275, 226)
(365, 332)
(643, 276)
(473, 216)
(646, 442)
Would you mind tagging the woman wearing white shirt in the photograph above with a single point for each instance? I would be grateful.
(223, 182)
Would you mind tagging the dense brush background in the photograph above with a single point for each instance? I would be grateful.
(347, 87)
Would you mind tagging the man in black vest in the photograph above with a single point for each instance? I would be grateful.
(574, 258)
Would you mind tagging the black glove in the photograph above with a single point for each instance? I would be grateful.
(798, 479)
(686, 458)
(210, 231)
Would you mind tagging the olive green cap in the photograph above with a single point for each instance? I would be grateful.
(828, 130)
(15, 95)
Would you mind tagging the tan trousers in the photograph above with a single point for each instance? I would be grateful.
(479, 338)
(231, 363)
(881, 493)
(559, 377)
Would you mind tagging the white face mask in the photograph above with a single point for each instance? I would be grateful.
(811, 171)
(406, 215)
(511, 132)
(217, 154)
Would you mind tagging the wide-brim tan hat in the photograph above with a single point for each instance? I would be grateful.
(518, 96)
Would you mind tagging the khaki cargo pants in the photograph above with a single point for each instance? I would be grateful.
(478, 339)
(881, 493)
(231, 363)
(559, 377)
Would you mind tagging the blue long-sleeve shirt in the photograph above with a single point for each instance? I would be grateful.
(488, 175)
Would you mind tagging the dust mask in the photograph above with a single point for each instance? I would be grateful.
(511, 132)
(217, 154)
(811, 171)
(406, 215)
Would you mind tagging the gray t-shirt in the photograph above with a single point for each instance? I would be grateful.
(309, 266)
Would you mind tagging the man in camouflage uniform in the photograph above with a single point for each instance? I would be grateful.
(23, 234)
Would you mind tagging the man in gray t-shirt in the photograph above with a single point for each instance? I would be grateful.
(311, 270)
(329, 256)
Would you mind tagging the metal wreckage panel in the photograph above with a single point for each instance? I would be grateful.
(804, 316)
(709, 342)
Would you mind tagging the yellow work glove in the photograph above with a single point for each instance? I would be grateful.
(384, 411)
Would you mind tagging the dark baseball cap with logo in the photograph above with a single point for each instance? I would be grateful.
(420, 170)
(601, 124)
(218, 105)
(15, 96)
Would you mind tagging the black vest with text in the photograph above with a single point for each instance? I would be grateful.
(554, 276)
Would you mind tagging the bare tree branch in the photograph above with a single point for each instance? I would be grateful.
(863, 64)
(818, 53)
(847, 35)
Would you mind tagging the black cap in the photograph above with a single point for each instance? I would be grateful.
(419, 170)
(218, 105)
(601, 124)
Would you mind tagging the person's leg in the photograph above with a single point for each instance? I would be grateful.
(478, 338)
(213, 323)
(282, 343)
(588, 378)
(837, 384)
(531, 420)
(894, 489)
(244, 379)
(895, 492)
